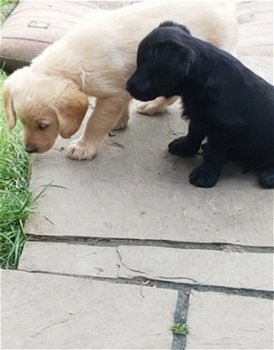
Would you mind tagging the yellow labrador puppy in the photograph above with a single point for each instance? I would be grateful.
(96, 58)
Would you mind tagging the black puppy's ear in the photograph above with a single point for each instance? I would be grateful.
(173, 24)
(186, 55)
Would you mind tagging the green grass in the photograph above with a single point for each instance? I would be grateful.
(15, 196)
(8, 2)
(179, 328)
(6, 7)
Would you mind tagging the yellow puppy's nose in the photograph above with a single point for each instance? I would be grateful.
(31, 149)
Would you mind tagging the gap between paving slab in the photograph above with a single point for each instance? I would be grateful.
(180, 316)
(115, 242)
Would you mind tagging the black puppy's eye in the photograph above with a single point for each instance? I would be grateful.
(43, 126)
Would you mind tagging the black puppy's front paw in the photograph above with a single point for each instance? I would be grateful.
(266, 179)
(182, 147)
(203, 177)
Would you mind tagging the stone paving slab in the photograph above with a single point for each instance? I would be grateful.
(194, 266)
(42, 311)
(74, 259)
(221, 321)
(206, 267)
(256, 28)
(135, 189)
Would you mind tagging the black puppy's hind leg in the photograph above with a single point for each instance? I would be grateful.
(187, 146)
(208, 172)
(266, 178)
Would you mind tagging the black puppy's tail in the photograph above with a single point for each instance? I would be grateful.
(173, 24)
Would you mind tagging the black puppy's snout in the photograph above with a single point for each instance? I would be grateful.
(130, 85)
(138, 88)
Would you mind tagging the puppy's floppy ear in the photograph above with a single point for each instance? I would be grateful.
(71, 108)
(8, 107)
(173, 24)
(185, 55)
(188, 57)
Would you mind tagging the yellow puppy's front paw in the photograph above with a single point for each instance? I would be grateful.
(80, 150)
(121, 125)
(151, 107)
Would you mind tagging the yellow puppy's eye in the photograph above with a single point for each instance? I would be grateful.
(43, 125)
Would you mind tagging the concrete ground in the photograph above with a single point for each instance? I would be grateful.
(126, 247)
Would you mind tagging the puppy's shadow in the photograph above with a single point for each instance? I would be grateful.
(179, 168)
(235, 172)
(232, 174)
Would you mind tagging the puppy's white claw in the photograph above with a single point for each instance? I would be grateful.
(79, 150)
(151, 107)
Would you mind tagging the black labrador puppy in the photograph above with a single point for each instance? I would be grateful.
(224, 100)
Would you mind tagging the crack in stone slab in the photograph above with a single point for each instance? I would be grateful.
(125, 266)
(177, 278)
(144, 274)
(50, 326)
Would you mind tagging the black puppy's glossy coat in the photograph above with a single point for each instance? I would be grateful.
(225, 101)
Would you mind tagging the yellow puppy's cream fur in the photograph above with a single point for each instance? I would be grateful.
(96, 58)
